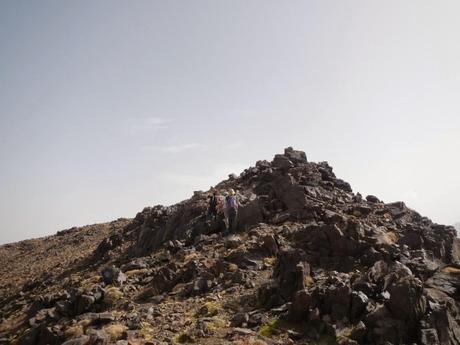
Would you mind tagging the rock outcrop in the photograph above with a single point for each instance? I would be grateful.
(310, 262)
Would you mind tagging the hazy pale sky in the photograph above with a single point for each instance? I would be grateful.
(110, 106)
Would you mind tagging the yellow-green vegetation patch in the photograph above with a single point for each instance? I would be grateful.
(450, 269)
(271, 328)
(217, 323)
(278, 326)
(146, 331)
(209, 309)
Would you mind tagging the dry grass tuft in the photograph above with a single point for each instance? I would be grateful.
(217, 323)
(308, 280)
(190, 257)
(74, 331)
(112, 295)
(115, 331)
(134, 273)
(90, 282)
(392, 236)
(450, 269)
(270, 260)
(232, 267)
(146, 331)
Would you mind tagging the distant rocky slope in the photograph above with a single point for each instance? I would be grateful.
(311, 263)
(457, 226)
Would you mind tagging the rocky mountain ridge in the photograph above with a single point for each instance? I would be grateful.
(310, 263)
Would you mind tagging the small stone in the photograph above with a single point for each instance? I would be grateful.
(243, 331)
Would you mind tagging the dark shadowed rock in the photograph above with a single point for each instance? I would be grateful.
(108, 244)
(372, 198)
(359, 302)
(84, 303)
(113, 275)
(301, 304)
(250, 213)
(290, 272)
(407, 303)
(282, 162)
(429, 337)
(270, 245)
(297, 157)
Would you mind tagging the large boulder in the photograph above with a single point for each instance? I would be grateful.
(383, 328)
(251, 212)
(295, 156)
(440, 324)
(407, 303)
(110, 243)
(290, 272)
(446, 280)
(290, 193)
(282, 162)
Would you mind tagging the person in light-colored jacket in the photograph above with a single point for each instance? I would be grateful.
(232, 210)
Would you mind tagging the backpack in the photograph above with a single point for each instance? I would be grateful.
(220, 202)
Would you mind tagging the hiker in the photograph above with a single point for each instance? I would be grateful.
(212, 209)
(232, 210)
(225, 204)
(220, 208)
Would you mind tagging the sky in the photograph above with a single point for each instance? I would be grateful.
(109, 106)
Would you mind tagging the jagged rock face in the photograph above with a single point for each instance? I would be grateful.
(159, 224)
(289, 188)
(310, 262)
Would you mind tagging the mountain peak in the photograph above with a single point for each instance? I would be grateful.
(307, 261)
